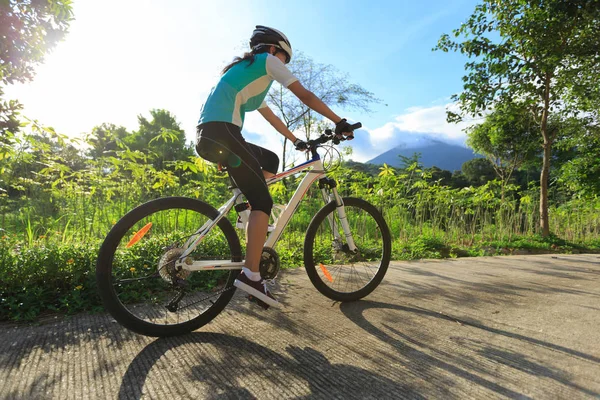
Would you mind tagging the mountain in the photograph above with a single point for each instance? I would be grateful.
(433, 152)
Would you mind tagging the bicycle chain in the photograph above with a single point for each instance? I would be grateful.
(217, 293)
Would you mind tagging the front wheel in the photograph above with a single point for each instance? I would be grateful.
(334, 269)
(136, 274)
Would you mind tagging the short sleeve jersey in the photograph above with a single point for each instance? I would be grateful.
(243, 88)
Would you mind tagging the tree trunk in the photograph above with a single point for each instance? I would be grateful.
(285, 140)
(544, 223)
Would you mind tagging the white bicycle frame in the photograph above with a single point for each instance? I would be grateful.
(315, 171)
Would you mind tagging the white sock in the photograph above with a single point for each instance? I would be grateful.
(254, 276)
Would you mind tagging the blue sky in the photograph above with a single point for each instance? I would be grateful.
(122, 58)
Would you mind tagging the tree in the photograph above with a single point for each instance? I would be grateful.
(478, 171)
(161, 138)
(328, 84)
(28, 29)
(413, 161)
(508, 138)
(37, 157)
(369, 169)
(578, 157)
(459, 180)
(544, 54)
(443, 176)
(104, 140)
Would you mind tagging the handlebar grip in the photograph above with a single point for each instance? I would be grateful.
(356, 126)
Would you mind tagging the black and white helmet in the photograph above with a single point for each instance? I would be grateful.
(263, 36)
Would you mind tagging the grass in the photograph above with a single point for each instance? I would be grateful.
(54, 277)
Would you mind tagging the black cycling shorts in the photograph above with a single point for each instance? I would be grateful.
(223, 142)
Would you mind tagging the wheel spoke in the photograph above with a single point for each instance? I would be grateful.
(139, 275)
(348, 275)
(135, 279)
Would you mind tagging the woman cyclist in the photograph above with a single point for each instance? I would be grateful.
(243, 87)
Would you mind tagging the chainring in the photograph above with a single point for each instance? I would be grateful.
(269, 263)
(166, 266)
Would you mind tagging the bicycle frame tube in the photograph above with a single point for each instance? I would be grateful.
(197, 237)
(311, 176)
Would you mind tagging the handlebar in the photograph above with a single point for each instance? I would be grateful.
(328, 135)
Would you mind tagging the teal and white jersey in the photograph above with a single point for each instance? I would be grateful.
(243, 88)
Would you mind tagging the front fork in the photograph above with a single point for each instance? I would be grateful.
(330, 193)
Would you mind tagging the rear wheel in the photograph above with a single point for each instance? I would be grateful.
(335, 270)
(136, 275)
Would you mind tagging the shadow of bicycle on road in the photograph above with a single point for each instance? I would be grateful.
(463, 356)
(226, 366)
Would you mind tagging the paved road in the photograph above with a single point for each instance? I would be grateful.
(496, 327)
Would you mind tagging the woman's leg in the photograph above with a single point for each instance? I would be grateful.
(249, 177)
(258, 224)
(256, 232)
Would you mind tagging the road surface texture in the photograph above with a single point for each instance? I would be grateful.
(492, 327)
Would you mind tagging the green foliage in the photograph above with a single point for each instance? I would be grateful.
(542, 54)
(478, 171)
(508, 137)
(161, 138)
(423, 246)
(106, 140)
(28, 29)
(57, 205)
(578, 157)
(519, 47)
(46, 277)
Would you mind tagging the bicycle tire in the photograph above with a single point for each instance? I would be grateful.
(106, 260)
(311, 259)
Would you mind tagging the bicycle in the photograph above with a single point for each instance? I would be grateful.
(158, 274)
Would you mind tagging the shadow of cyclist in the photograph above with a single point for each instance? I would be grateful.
(233, 367)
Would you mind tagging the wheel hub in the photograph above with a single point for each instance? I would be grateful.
(167, 269)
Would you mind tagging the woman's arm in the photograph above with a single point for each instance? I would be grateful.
(277, 123)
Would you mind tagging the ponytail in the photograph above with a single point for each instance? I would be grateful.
(246, 57)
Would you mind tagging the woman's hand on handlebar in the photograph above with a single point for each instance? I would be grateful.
(335, 138)
(344, 128)
(300, 145)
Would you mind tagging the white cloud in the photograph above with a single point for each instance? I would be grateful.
(412, 128)
(431, 120)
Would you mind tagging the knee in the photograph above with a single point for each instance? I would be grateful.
(264, 204)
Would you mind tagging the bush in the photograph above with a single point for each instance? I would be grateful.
(48, 278)
(423, 246)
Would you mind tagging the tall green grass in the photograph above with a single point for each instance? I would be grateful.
(51, 230)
